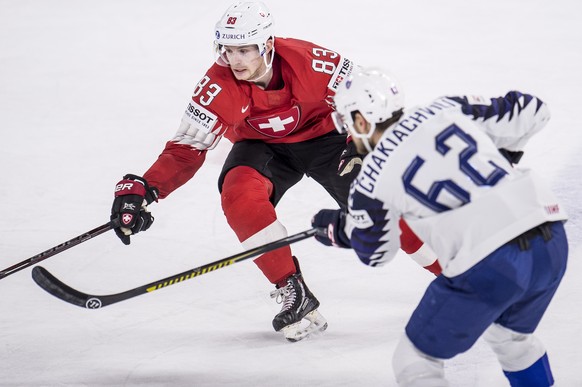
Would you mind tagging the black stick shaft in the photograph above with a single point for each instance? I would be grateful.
(219, 264)
(56, 250)
(57, 288)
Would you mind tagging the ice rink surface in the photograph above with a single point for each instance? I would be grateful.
(91, 90)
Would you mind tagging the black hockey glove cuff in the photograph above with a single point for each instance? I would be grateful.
(333, 221)
(151, 193)
(349, 160)
(129, 212)
(512, 156)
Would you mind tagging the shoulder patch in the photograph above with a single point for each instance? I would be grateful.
(341, 72)
(199, 117)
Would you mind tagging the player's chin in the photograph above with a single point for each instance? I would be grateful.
(240, 74)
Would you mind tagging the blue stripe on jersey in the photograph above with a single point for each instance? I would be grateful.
(498, 107)
(367, 242)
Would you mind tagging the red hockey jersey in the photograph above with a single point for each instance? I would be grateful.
(295, 107)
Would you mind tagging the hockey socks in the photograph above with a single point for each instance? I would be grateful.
(538, 374)
(251, 215)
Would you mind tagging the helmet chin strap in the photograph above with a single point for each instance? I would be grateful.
(268, 65)
(365, 137)
(366, 143)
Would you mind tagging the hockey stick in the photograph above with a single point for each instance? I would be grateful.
(57, 288)
(56, 250)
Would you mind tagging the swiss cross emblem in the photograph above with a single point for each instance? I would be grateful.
(277, 125)
(126, 218)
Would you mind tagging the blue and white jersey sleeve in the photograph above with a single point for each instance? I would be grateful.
(439, 168)
(510, 121)
(372, 228)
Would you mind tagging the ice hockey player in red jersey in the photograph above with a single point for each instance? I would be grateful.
(271, 97)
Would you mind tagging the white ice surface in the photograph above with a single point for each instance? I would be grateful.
(91, 90)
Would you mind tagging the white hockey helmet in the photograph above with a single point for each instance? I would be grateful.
(245, 23)
(371, 92)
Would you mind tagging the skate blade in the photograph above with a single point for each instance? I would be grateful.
(295, 332)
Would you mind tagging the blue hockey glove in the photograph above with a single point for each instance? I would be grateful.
(334, 221)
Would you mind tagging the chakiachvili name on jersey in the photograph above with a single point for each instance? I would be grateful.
(395, 137)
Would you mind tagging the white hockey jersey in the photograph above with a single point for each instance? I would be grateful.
(440, 169)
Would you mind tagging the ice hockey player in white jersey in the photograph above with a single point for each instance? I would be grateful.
(448, 169)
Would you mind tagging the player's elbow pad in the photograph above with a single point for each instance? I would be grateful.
(198, 139)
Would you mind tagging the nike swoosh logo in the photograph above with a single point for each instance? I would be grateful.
(245, 108)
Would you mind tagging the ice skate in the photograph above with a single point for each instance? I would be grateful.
(299, 304)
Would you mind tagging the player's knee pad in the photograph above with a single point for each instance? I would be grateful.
(244, 182)
(414, 368)
(515, 351)
(245, 201)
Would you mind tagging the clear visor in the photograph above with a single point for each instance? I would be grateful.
(246, 52)
(340, 123)
(219, 55)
